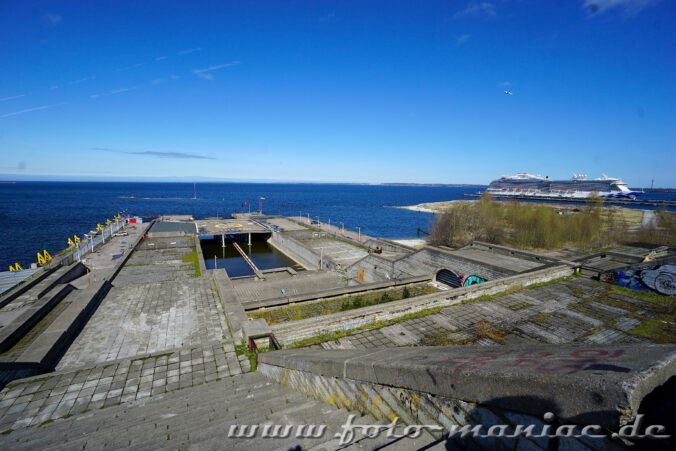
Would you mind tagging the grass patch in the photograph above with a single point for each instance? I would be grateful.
(546, 226)
(441, 338)
(497, 335)
(243, 349)
(330, 336)
(340, 304)
(653, 298)
(540, 319)
(191, 257)
(660, 329)
(38, 379)
(484, 329)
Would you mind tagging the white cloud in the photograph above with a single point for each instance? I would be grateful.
(187, 51)
(37, 108)
(206, 73)
(133, 66)
(114, 91)
(504, 83)
(158, 154)
(5, 99)
(53, 18)
(629, 7)
(478, 9)
(462, 38)
(160, 58)
(330, 17)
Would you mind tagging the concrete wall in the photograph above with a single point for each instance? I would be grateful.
(374, 269)
(388, 246)
(513, 252)
(298, 330)
(423, 262)
(200, 256)
(332, 293)
(13, 293)
(13, 332)
(434, 259)
(455, 386)
(43, 353)
(295, 250)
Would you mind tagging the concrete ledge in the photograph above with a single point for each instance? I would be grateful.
(516, 252)
(298, 330)
(294, 250)
(13, 332)
(332, 293)
(200, 256)
(13, 293)
(46, 281)
(71, 273)
(234, 312)
(601, 385)
(48, 347)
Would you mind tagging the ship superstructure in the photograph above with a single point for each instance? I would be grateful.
(579, 187)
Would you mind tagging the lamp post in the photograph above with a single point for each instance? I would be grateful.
(342, 225)
(359, 233)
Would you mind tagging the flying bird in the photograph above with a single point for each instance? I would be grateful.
(508, 93)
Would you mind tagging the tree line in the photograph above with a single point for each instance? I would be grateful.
(536, 226)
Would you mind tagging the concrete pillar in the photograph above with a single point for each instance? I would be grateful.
(249, 238)
(223, 240)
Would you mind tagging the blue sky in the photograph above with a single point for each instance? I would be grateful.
(368, 91)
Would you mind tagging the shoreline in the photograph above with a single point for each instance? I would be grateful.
(430, 207)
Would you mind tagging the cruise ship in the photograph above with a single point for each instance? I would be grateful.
(579, 187)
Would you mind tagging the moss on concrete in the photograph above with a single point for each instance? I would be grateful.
(340, 304)
(191, 257)
(661, 329)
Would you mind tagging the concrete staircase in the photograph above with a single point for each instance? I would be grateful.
(198, 417)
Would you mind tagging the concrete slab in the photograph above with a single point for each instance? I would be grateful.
(586, 384)
(213, 226)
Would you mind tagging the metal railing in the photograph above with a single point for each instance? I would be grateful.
(87, 246)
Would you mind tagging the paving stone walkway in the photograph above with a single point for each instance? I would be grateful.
(40, 399)
(575, 310)
(146, 318)
(250, 290)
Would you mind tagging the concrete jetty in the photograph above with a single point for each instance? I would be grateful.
(139, 345)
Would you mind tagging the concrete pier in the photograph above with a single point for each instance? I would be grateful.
(141, 337)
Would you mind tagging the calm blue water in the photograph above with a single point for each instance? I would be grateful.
(41, 215)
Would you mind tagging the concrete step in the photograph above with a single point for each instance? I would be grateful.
(216, 399)
(192, 418)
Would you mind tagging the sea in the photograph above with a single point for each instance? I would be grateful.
(42, 215)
